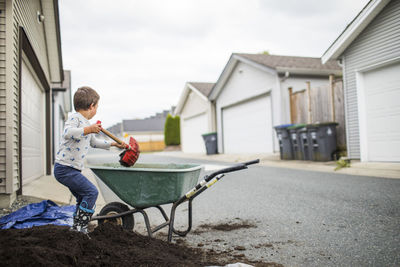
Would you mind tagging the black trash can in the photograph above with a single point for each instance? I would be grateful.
(295, 138)
(210, 141)
(285, 145)
(322, 137)
(305, 143)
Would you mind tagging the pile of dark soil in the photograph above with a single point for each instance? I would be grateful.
(107, 245)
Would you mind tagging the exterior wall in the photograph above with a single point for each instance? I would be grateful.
(244, 83)
(59, 117)
(298, 84)
(17, 13)
(379, 42)
(196, 105)
(3, 98)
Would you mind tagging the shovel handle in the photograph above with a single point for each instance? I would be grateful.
(113, 137)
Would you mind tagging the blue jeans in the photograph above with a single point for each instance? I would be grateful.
(81, 188)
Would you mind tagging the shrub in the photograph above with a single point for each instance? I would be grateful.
(172, 131)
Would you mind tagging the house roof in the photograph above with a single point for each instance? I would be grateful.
(287, 63)
(276, 64)
(146, 125)
(353, 29)
(202, 89)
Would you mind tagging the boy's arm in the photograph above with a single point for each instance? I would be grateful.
(71, 129)
(99, 143)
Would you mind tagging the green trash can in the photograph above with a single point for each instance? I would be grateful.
(295, 139)
(210, 141)
(322, 137)
(285, 144)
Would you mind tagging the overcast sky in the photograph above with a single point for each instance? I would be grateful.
(138, 54)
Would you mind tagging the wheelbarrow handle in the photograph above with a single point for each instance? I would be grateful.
(236, 167)
(205, 183)
(251, 162)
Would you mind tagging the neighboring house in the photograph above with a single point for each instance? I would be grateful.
(369, 50)
(148, 132)
(62, 104)
(251, 96)
(116, 129)
(197, 116)
(30, 61)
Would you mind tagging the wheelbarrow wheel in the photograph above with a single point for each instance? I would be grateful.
(127, 221)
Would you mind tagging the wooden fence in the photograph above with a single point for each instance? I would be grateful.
(320, 104)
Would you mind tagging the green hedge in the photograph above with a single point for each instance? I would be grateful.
(172, 131)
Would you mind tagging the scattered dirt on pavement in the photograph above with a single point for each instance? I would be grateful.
(107, 245)
(226, 227)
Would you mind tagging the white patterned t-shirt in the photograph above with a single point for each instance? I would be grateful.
(74, 145)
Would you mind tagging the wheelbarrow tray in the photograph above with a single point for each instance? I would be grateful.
(147, 185)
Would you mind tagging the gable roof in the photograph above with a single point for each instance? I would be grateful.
(353, 29)
(287, 63)
(202, 89)
(276, 64)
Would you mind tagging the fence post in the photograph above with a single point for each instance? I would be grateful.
(291, 104)
(332, 87)
(309, 102)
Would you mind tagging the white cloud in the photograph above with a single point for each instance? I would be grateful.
(138, 54)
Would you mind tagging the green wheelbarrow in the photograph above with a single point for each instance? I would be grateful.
(145, 186)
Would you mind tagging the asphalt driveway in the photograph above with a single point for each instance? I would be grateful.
(294, 217)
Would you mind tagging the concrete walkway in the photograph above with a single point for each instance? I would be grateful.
(47, 187)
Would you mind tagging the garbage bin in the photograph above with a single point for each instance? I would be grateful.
(322, 137)
(295, 138)
(285, 145)
(210, 141)
(305, 143)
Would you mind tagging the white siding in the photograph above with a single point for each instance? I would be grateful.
(195, 120)
(18, 13)
(247, 82)
(379, 42)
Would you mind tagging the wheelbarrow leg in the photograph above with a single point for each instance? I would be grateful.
(146, 221)
(162, 212)
(172, 220)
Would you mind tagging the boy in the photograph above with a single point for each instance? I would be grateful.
(74, 145)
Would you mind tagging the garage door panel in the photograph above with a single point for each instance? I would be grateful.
(32, 126)
(247, 127)
(192, 129)
(382, 95)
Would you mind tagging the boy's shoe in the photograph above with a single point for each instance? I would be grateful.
(81, 220)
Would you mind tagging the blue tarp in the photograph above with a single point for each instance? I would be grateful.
(36, 214)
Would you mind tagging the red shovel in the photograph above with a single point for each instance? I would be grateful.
(131, 153)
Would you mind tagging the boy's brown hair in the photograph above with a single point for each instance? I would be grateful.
(84, 97)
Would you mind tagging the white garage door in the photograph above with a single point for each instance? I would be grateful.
(192, 129)
(382, 95)
(32, 128)
(247, 127)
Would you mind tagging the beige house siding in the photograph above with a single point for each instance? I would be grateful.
(2, 96)
(17, 14)
(194, 105)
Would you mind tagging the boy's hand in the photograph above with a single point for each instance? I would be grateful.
(94, 128)
(122, 146)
